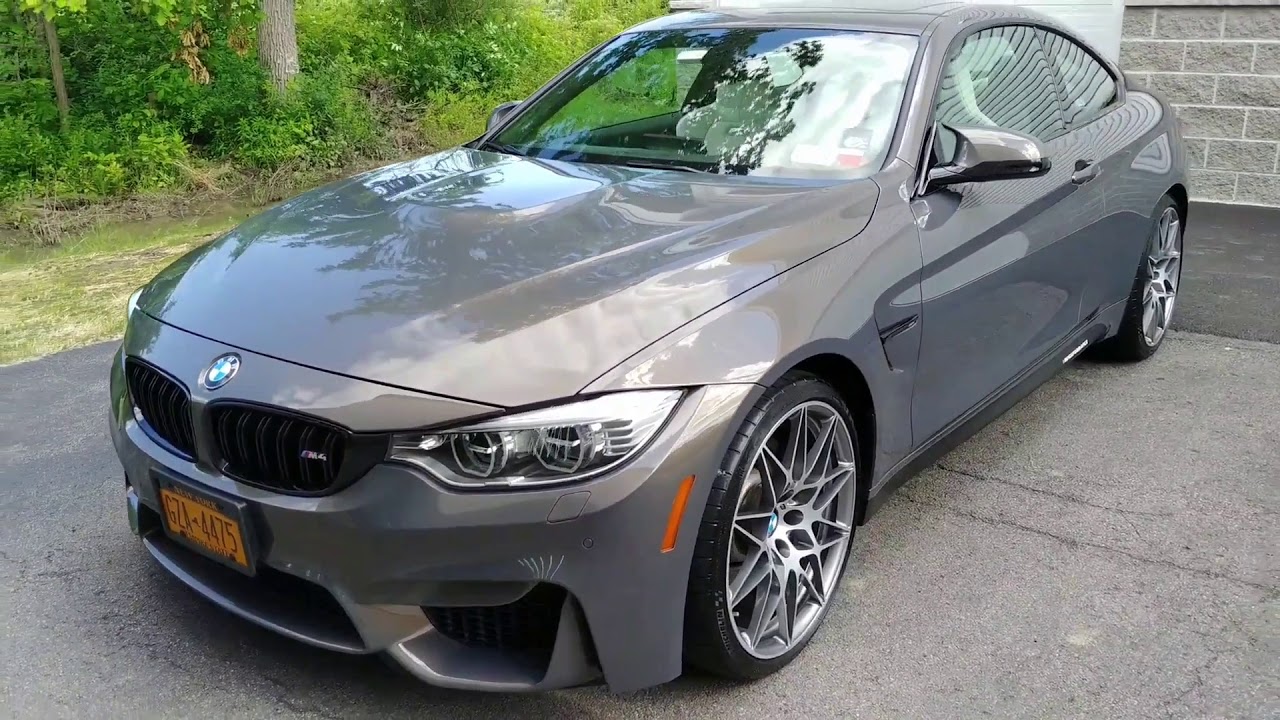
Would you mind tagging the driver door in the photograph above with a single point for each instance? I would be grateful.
(999, 287)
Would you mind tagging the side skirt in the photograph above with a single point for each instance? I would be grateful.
(1093, 330)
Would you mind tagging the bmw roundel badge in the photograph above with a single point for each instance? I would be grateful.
(220, 372)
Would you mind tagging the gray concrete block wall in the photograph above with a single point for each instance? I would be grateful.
(1220, 67)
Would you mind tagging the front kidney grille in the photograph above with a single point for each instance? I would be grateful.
(526, 625)
(164, 403)
(279, 451)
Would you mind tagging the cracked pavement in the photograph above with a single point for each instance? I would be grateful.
(1107, 548)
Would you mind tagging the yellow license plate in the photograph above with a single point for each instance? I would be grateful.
(196, 520)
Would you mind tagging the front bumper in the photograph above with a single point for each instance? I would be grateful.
(364, 570)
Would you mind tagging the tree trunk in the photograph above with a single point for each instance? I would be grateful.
(278, 42)
(55, 70)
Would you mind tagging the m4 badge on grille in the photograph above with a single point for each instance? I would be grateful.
(313, 455)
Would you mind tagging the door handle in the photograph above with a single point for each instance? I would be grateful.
(1086, 170)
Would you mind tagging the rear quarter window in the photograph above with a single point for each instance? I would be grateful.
(1089, 89)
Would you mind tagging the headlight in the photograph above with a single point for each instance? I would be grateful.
(133, 303)
(541, 447)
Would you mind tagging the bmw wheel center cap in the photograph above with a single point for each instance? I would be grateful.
(220, 372)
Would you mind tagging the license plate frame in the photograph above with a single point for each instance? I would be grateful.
(171, 489)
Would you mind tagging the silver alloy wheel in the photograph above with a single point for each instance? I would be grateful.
(1164, 266)
(791, 529)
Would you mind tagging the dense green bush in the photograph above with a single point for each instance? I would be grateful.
(322, 121)
(94, 157)
(142, 118)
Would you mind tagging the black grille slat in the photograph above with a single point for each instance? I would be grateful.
(242, 442)
(260, 444)
(184, 431)
(176, 407)
(333, 451)
(281, 457)
(298, 460)
(266, 447)
(307, 467)
(164, 403)
(154, 387)
(222, 425)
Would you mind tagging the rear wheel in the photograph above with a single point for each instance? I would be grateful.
(1149, 312)
(775, 534)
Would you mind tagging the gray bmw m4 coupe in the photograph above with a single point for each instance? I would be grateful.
(607, 392)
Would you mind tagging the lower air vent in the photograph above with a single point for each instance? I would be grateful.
(526, 625)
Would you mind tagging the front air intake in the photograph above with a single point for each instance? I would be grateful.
(527, 625)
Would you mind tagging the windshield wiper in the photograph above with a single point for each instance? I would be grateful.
(643, 164)
(500, 147)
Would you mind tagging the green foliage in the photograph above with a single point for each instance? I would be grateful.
(452, 119)
(321, 122)
(159, 87)
(95, 158)
(53, 8)
(537, 44)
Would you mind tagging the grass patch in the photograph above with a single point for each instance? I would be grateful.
(74, 295)
(38, 223)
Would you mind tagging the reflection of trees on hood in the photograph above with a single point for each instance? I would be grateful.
(486, 231)
(375, 223)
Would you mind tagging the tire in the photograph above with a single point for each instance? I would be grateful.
(1131, 342)
(712, 638)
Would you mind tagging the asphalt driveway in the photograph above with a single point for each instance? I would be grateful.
(1108, 548)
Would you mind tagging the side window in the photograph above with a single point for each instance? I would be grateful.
(1001, 77)
(1089, 89)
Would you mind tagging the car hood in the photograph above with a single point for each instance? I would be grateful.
(495, 278)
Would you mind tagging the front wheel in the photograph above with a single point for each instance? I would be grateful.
(775, 534)
(1149, 311)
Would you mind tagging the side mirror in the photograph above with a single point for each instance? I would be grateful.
(501, 112)
(981, 154)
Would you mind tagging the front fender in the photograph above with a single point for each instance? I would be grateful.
(827, 306)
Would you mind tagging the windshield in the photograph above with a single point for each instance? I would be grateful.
(786, 102)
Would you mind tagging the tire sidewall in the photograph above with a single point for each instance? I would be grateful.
(1144, 272)
(1129, 344)
(772, 407)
